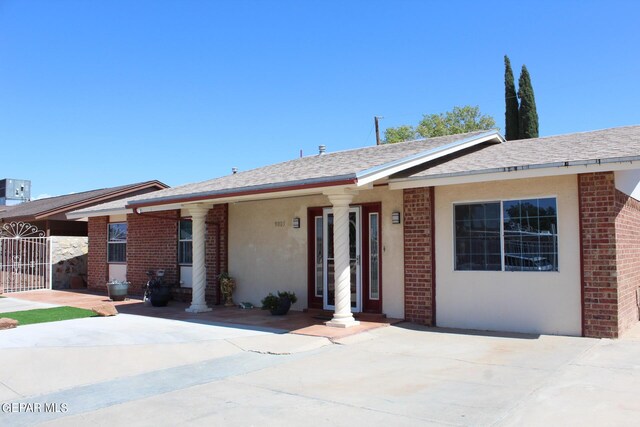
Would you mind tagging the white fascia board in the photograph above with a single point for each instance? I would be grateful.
(250, 198)
(533, 171)
(91, 214)
(368, 176)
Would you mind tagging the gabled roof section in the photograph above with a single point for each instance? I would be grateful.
(355, 167)
(601, 147)
(42, 209)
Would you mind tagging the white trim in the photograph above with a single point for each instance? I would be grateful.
(105, 212)
(519, 172)
(373, 174)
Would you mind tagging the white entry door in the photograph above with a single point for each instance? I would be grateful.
(354, 260)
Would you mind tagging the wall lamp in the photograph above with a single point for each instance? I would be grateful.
(296, 222)
(395, 218)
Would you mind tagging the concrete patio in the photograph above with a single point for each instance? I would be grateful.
(296, 322)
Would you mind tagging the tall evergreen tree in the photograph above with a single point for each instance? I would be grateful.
(511, 102)
(528, 116)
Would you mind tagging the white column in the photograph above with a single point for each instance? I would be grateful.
(342, 317)
(198, 216)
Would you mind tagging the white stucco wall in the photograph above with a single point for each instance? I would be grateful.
(628, 181)
(532, 302)
(266, 256)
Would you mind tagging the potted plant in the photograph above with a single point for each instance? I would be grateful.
(227, 286)
(117, 289)
(157, 292)
(279, 304)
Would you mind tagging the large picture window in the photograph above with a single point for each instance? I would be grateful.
(513, 235)
(117, 242)
(185, 242)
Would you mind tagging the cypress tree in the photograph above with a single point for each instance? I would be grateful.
(528, 116)
(511, 102)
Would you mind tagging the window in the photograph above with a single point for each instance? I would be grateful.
(319, 248)
(117, 242)
(374, 269)
(185, 242)
(514, 235)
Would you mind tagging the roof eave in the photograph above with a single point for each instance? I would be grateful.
(342, 180)
(97, 199)
(373, 174)
(518, 172)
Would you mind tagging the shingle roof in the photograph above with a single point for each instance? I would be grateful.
(327, 168)
(603, 144)
(40, 208)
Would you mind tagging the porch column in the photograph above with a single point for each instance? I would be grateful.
(198, 215)
(342, 317)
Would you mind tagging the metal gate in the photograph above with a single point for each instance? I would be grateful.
(25, 258)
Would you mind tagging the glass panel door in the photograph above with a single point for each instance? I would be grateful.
(354, 259)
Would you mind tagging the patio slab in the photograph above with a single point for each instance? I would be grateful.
(295, 322)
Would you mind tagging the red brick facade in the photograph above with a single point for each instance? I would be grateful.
(216, 248)
(152, 244)
(97, 269)
(419, 262)
(628, 259)
(610, 234)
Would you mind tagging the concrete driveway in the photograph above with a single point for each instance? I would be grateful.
(132, 370)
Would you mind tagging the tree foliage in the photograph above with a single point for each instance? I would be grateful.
(399, 134)
(511, 103)
(459, 120)
(528, 115)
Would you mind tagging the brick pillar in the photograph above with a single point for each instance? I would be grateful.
(598, 241)
(216, 249)
(97, 270)
(419, 255)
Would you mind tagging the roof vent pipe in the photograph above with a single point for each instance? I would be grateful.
(322, 149)
(234, 170)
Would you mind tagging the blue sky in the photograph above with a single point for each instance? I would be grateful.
(95, 94)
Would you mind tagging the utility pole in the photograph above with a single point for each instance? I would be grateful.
(375, 119)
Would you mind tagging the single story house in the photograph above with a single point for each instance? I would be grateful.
(466, 231)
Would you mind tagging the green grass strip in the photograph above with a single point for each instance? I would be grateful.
(42, 315)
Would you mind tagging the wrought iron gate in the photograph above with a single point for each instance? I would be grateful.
(25, 258)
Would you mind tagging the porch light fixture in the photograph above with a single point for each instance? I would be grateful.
(395, 218)
(296, 222)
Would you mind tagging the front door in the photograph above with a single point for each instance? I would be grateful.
(364, 258)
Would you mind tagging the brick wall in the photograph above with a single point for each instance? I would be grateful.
(97, 258)
(610, 232)
(628, 258)
(419, 286)
(217, 232)
(152, 244)
(597, 221)
(216, 228)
